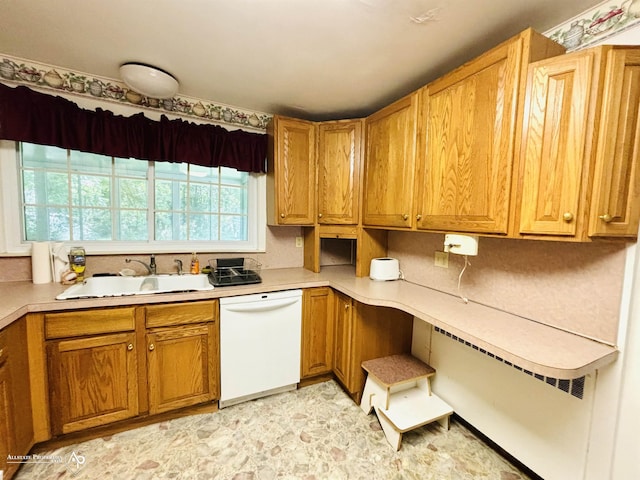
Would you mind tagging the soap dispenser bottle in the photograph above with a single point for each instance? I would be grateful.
(195, 264)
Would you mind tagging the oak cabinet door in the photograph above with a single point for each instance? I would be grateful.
(317, 332)
(93, 381)
(291, 172)
(389, 164)
(6, 420)
(339, 152)
(553, 148)
(615, 208)
(343, 329)
(466, 140)
(181, 367)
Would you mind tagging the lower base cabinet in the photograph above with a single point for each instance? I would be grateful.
(108, 365)
(6, 417)
(364, 332)
(16, 425)
(317, 332)
(181, 367)
(112, 364)
(93, 381)
(343, 326)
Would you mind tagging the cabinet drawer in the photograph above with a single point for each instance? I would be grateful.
(88, 322)
(180, 313)
(338, 231)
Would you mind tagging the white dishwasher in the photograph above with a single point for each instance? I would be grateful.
(260, 338)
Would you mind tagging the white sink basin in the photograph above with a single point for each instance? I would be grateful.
(119, 286)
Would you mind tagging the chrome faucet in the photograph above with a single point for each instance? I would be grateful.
(179, 263)
(151, 267)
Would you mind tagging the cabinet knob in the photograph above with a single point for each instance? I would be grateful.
(130, 347)
(405, 216)
(319, 215)
(418, 217)
(606, 218)
(346, 306)
(282, 215)
(567, 217)
(152, 347)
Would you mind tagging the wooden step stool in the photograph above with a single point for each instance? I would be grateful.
(398, 388)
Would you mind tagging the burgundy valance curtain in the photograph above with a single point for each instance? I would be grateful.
(30, 116)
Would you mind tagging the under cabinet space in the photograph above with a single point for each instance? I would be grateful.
(364, 332)
(334, 251)
(343, 245)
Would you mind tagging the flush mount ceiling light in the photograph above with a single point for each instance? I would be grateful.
(148, 80)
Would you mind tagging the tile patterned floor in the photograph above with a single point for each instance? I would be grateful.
(314, 433)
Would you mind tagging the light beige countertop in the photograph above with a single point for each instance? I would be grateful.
(528, 344)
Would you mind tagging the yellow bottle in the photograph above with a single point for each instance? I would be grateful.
(195, 264)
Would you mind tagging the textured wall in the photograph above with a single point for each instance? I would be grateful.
(281, 252)
(576, 287)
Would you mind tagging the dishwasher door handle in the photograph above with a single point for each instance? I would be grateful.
(264, 306)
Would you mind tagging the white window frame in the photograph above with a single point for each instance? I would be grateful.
(11, 243)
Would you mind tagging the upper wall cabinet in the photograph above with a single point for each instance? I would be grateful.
(313, 164)
(467, 135)
(291, 167)
(339, 153)
(616, 190)
(556, 129)
(389, 164)
(579, 152)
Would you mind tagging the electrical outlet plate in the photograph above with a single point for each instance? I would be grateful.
(299, 242)
(441, 259)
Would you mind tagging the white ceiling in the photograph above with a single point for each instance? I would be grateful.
(315, 59)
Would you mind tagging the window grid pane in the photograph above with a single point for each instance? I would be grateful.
(190, 203)
(78, 196)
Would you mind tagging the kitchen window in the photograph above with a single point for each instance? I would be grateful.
(110, 204)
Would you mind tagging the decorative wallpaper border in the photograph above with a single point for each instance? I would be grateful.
(594, 25)
(27, 72)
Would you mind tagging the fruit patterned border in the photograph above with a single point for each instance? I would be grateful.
(596, 24)
(27, 72)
